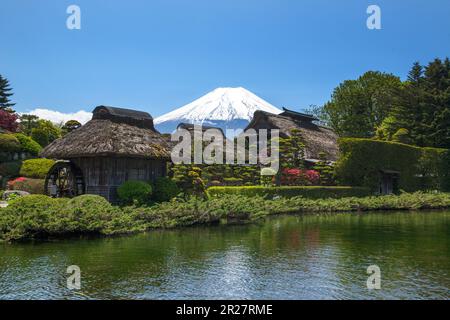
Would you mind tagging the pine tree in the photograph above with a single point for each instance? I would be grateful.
(5, 93)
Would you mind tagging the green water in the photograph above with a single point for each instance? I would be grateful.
(291, 257)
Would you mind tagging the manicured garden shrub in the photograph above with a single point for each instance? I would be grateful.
(311, 192)
(164, 189)
(36, 168)
(28, 145)
(8, 142)
(362, 160)
(138, 192)
(33, 186)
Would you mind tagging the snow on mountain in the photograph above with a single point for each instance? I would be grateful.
(230, 108)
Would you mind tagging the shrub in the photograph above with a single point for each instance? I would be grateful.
(138, 192)
(299, 177)
(8, 142)
(233, 181)
(10, 169)
(33, 186)
(27, 144)
(312, 192)
(165, 189)
(36, 168)
(362, 160)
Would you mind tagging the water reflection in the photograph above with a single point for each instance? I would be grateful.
(311, 257)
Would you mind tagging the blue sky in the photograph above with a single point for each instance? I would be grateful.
(159, 55)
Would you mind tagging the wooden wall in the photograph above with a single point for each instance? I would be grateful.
(102, 175)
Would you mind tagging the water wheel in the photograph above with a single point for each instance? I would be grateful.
(64, 179)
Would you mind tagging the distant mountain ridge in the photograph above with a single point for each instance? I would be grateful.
(226, 108)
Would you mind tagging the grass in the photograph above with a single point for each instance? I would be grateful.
(38, 216)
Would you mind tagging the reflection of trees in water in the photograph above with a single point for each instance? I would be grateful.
(336, 248)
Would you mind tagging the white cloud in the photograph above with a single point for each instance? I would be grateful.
(58, 117)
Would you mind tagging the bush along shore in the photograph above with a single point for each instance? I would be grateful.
(39, 216)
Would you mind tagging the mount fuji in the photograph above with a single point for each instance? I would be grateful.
(225, 108)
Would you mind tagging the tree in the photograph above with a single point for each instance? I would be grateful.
(27, 123)
(8, 121)
(5, 93)
(45, 132)
(423, 105)
(69, 126)
(358, 107)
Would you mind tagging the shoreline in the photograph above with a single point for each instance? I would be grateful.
(38, 217)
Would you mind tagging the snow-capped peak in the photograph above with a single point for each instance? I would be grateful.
(221, 104)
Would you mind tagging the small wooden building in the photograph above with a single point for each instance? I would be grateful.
(115, 146)
(317, 138)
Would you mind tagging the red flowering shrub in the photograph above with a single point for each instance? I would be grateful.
(299, 177)
(11, 183)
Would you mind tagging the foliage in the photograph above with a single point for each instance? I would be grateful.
(299, 177)
(27, 144)
(8, 142)
(5, 93)
(325, 170)
(36, 168)
(27, 123)
(33, 186)
(358, 107)
(45, 132)
(36, 216)
(70, 125)
(188, 178)
(362, 160)
(164, 189)
(8, 121)
(12, 183)
(402, 136)
(137, 192)
(267, 176)
(313, 192)
(10, 169)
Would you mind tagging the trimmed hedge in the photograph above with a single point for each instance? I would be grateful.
(27, 144)
(36, 168)
(311, 192)
(9, 143)
(362, 160)
(138, 192)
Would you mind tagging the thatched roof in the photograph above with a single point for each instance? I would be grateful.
(112, 132)
(317, 138)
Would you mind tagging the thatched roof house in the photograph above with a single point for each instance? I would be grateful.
(115, 146)
(317, 138)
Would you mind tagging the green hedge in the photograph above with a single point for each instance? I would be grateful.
(36, 168)
(311, 192)
(362, 160)
(27, 144)
(9, 143)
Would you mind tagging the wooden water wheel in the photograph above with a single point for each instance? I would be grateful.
(64, 179)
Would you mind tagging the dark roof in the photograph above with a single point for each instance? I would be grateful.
(317, 138)
(112, 132)
(190, 127)
(298, 115)
(121, 115)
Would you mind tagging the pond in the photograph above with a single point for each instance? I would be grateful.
(288, 257)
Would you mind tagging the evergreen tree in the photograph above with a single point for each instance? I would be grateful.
(5, 93)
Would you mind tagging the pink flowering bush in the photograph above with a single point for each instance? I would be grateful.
(11, 183)
(299, 177)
